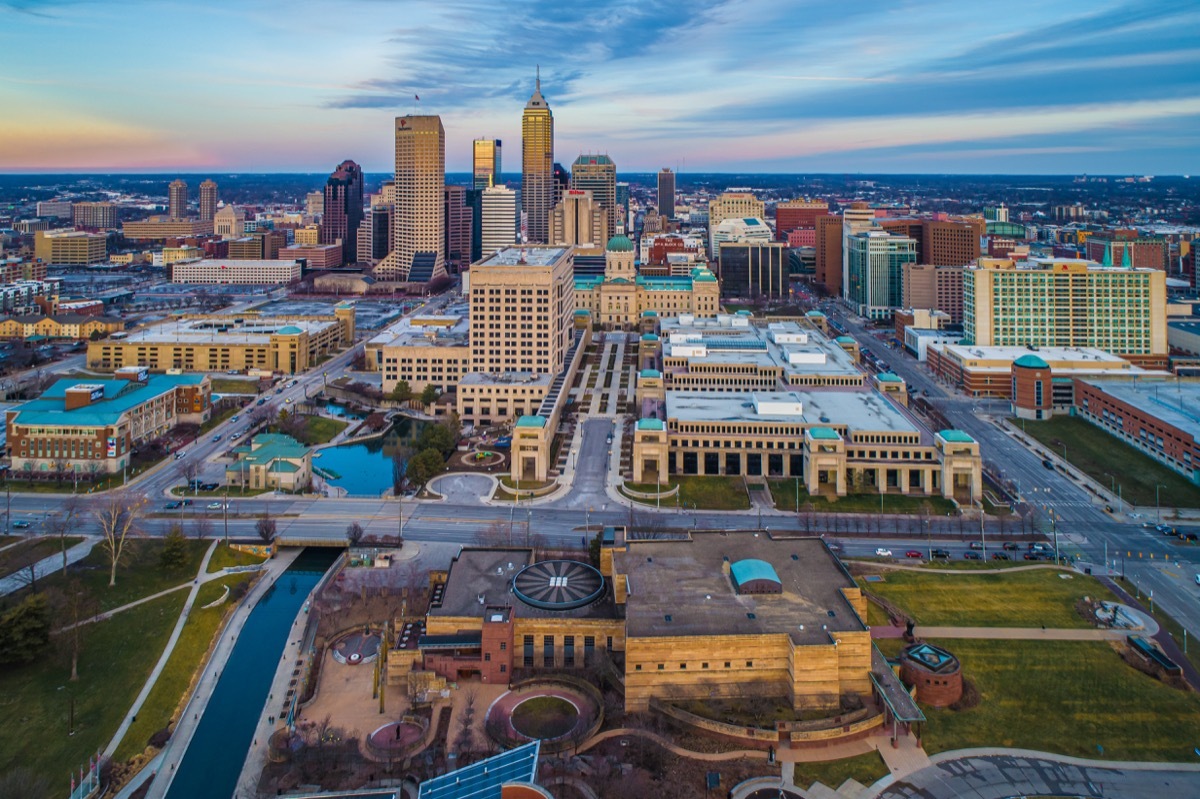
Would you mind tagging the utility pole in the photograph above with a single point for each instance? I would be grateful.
(225, 514)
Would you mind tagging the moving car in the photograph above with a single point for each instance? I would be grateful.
(1010, 546)
(172, 505)
(912, 553)
(940, 554)
(216, 506)
(217, 437)
(1000, 556)
(21, 525)
(883, 552)
(972, 556)
(1049, 464)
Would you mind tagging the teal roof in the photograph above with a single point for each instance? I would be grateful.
(582, 312)
(619, 243)
(888, 377)
(119, 396)
(844, 340)
(274, 450)
(649, 337)
(650, 373)
(751, 569)
(585, 282)
(531, 421)
(289, 330)
(664, 283)
(744, 312)
(814, 314)
(650, 424)
(957, 436)
(703, 275)
(1031, 361)
(824, 433)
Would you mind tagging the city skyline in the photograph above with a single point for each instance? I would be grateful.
(750, 87)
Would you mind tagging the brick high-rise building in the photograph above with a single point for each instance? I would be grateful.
(343, 206)
(829, 253)
(793, 214)
(458, 226)
(936, 288)
(1132, 252)
(208, 200)
(537, 166)
(97, 216)
(579, 220)
(666, 193)
(943, 241)
(177, 199)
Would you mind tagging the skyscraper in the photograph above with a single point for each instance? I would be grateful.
(418, 253)
(208, 200)
(666, 193)
(485, 162)
(458, 226)
(498, 226)
(598, 174)
(343, 206)
(875, 271)
(177, 194)
(537, 165)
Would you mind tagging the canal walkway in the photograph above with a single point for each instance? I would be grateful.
(48, 565)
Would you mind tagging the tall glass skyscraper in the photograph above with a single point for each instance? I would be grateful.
(537, 166)
(485, 162)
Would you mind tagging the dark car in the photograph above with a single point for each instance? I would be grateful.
(972, 556)
(209, 486)
(185, 502)
(1000, 556)
(1032, 556)
(1189, 536)
(940, 553)
(172, 505)
(1010, 546)
(20, 525)
(1049, 464)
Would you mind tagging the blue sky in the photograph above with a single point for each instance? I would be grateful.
(709, 85)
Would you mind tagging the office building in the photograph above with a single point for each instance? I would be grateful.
(70, 247)
(579, 221)
(934, 288)
(741, 230)
(749, 269)
(538, 187)
(230, 222)
(1127, 251)
(308, 236)
(225, 342)
(797, 214)
(161, 228)
(498, 219)
(236, 271)
(597, 174)
(177, 199)
(666, 193)
(859, 217)
(1055, 302)
(97, 216)
(90, 428)
(314, 203)
(262, 245)
(13, 270)
(423, 350)
(828, 264)
(875, 271)
(343, 209)
(459, 230)
(732, 205)
(988, 371)
(485, 163)
(208, 200)
(56, 209)
(313, 256)
(942, 240)
(418, 249)
(996, 213)
(374, 235)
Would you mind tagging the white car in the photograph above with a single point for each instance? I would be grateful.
(216, 506)
(883, 552)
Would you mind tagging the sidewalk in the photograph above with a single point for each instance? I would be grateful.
(1023, 633)
(48, 565)
(168, 759)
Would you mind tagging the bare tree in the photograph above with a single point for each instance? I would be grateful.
(118, 514)
(59, 465)
(354, 533)
(265, 527)
(189, 470)
(62, 523)
(201, 526)
(76, 605)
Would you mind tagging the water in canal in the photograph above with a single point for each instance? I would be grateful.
(214, 759)
(366, 469)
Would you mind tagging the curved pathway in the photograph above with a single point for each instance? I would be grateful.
(737, 754)
(48, 565)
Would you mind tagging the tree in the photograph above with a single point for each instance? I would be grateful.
(76, 604)
(438, 437)
(400, 458)
(201, 526)
(25, 630)
(425, 465)
(118, 514)
(174, 555)
(189, 470)
(354, 533)
(265, 527)
(402, 392)
(63, 523)
(429, 394)
(59, 465)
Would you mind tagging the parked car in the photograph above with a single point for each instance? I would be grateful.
(912, 553)
(209, 486)
(1032, 556)
(21, 525)
(972, 556)
(883, 552)
(1049, 464)
(976, 545)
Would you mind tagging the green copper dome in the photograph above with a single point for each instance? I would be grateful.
(619, 244)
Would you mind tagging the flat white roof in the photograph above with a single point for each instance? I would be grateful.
(859, 410)
(524, 256)
(1176, 402)
(208, 330)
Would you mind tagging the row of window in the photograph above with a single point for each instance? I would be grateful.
(703, 665)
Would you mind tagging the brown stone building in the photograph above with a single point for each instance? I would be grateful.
(935, 288)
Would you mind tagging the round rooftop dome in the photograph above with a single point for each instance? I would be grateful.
(558, 585)
(1031, 362)
(619, 244)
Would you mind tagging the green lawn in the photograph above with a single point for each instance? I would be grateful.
(117, 656)
(319, 430)
(1013, 599)
(225, 557)
(1094, 451)
(783, 492)
(31, 551)
(141, 576)
(544, 717)
(832, 773)
(712, 493)
(225, 385)
(173, 682)
(1066, 697)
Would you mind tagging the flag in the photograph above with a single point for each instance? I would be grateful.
(417, 97)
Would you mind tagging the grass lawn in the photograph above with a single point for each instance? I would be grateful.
(233, 491)
(218, 418)
(783, 492)
(864, 768)
(319, 430)
(712, 493)
(1014, 599)
(544, 717)
(117, 656)
(225, 385)
(1066, 697)
(141, 576)
(31, 551)
(890, 647)
(1094, 451)
(225, 557)
(186, 659)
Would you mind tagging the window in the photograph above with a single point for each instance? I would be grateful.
(749, 664)
(727, 664)
(503, 668)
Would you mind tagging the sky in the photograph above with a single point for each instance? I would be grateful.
(901, 86)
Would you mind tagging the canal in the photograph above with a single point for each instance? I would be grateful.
(369, 468)
(214, 759)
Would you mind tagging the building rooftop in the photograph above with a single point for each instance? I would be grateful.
(118, 397)
(956, 436)
(650, 424)
(432, 330)
(1031, 361)
(483, 779)
(685, 587)
(855, 409)
(530, 255)
(268, 447)
(531, 421)
(619, 243)
(1174, 401)
(231, 328)
(787, 346)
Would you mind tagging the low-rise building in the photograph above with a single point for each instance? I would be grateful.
(70, 247)
(161, 228)
(58, 326)
(89, 427)
(239, 271)
(271, 460)
(316, 256)
(422, 351)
